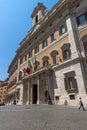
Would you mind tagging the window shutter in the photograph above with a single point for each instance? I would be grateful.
(66, 85)
(69, 53)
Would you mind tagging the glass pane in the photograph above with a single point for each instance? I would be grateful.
(70, 83)
(66, 54)
(54, 59)
(52, 37)
(82, 19)
(44, 44)
(63, 29)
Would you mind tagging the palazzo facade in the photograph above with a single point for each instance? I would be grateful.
(56, 46)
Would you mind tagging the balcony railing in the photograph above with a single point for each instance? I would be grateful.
(72, 90)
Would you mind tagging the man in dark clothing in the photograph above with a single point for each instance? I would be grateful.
(81, 104)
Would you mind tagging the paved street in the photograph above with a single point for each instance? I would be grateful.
(42, 117)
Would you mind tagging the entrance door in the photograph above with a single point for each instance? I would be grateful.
(34, 94)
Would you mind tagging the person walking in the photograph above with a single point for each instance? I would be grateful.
(81, 104)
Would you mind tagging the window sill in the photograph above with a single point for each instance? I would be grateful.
(74, 90)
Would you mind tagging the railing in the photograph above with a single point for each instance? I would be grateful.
(72, 90)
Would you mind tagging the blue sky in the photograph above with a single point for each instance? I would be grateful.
(15, 22)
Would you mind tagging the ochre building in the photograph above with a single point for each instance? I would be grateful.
(3, 91)
(56, 47)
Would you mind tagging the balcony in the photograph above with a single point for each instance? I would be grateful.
(72, 90)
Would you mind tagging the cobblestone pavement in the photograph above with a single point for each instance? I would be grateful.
(42, 117)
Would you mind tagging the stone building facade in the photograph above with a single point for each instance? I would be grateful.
(3, 91)
(56, 47)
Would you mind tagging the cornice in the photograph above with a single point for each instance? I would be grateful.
(68, 63)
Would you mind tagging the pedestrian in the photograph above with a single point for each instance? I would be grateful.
(81, 104)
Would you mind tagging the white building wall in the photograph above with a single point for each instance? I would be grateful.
(20, 86)
(70, 22)
(62, 93)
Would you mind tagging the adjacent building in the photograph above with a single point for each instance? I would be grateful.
(51, 62)
(3, 91)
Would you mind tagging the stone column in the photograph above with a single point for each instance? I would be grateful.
(31, 89)
(28, 98)
(38, 96)
(18, 70)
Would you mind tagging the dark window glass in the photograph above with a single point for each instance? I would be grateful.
(72, 97)
(25, 57)
(24, 72)
(52, 37)
(20, 75)
(57, 98)
(21, 60)
(70, 83)
(54, 59)
(45, 63)
(36, 18)
(44, 44)
(36, 49)
(66, 54)
(82, 19)
(62, 29)
(30, 54)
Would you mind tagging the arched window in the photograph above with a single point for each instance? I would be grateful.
(66, 51)
(45, 61)
(84, 40)
(54, 55)
(36, 19)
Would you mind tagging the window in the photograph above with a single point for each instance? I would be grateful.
(36, 65)
(45, 61)
(66, 51)
(66, 54)
(52, 37)
(70, 82)
(20, 75)
(54, 54)
(36, 19)
(54, 59)
(21, 60)
(30, 54)
(25, 58)
(44, 44)
(62, 29)
(72, 97)
(24, 71)
(82, 19)
(36, 49)
(57, 98)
